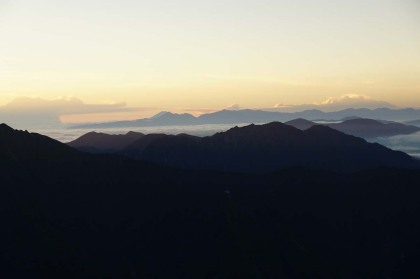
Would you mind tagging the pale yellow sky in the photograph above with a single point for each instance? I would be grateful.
(210, 54)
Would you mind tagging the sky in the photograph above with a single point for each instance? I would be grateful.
(204, 55)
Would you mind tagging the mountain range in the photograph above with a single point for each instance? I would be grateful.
(257, 148)
(70, 214)
(365, 128)
(248, 116)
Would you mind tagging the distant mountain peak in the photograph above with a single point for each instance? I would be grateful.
(162, 113)
(132, 133)
(23, 147)
(97, 142)
(322, 128)
(363, 121)
(300, 123)
(166, 115)
(272, 126)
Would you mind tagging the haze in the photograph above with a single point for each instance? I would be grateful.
(203, 55)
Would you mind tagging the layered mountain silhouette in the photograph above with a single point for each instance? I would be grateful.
(164, 118)
(70, 214)
(101, 142)
(368, 128)
(364, 128)
(266, 147)
(248, 116)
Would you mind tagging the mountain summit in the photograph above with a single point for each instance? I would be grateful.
(101, 142)
(22, 147)
(269, 147)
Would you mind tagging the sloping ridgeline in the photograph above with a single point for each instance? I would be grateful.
(70, 214)
(269, 147)
(359, 127)
(101, 143)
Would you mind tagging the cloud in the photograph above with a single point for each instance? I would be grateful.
(406, 143)
(354, 99)
(337, 103)
(25, 112)
(61, 105)
(234, 107)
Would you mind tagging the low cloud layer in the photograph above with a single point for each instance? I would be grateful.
(24, 112)
(62, 105)
(406, 143)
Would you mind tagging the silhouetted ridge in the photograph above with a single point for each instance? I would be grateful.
(265, 131)
(368, 128)
(69, 214)
(100, 142)
(268, 147)
(135, 134)
(143, 142)
(22, 147)
(5, 127)
(300, 123)
(157, 115)
(322, 132)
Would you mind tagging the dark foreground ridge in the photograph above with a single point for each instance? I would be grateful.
(78, 215)
(259, 148)
(268, 147)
